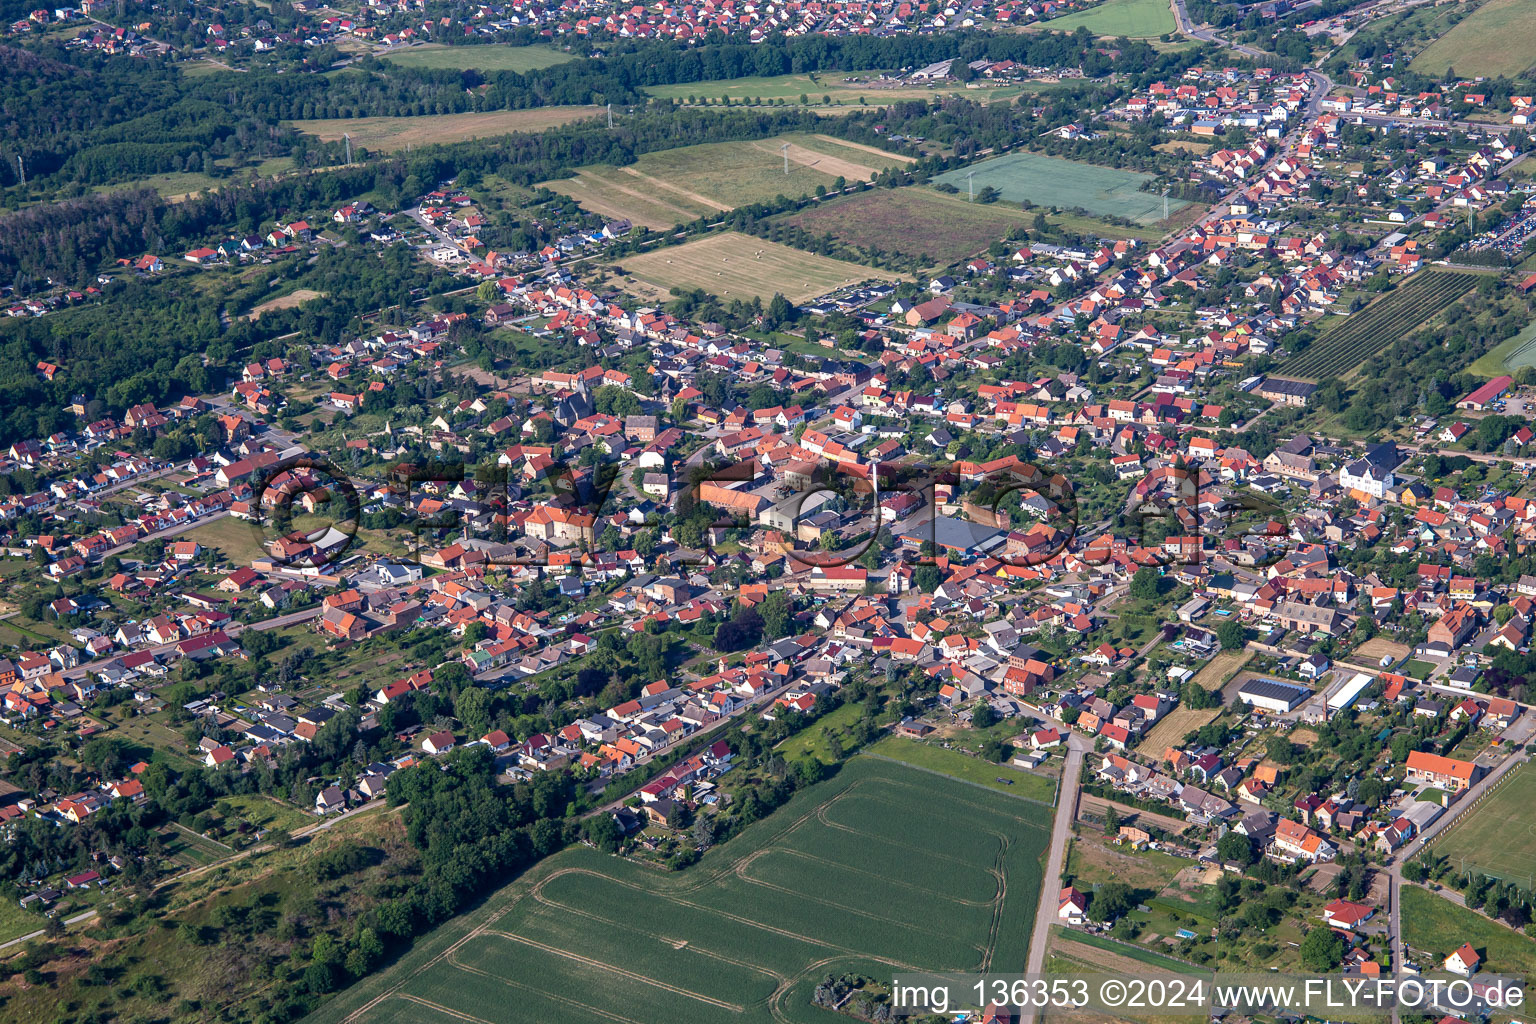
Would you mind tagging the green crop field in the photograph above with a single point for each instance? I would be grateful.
(1499, 38)
(480, 58)
(883, 868)
(1498, 837)
(1136, 19)
(1434, 925)
(1381, 323)
(1512, 355)
(679, 185)
(733, 265)
(1050, 181)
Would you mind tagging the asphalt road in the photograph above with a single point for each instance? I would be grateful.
(233, 631)
(1061, 832)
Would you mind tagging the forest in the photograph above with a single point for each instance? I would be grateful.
(82, 119)
(155, 340)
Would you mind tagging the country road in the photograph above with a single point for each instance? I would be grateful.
(233, 631)
(1061, 833)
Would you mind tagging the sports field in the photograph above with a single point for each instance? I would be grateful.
(1050, 181)
(480, 58)
(737, 266)
(1499, 38)
(386, 134)
(1136, 19)
(882, 868)
(679, 185)
(1497, 837)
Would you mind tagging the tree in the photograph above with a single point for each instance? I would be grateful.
(472, 707)
(777, 612)
(1235, 848)
(1280, 749)
(1111, 822)
(1111, 900)
(1231, 635)
(983, 716)
(703, 833)
(603, 832)
(927, 578)
(1321, 950)
(779, 311)
(1144, 585)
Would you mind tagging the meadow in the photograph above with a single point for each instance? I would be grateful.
(480, 58)
(843, 89)
(1497, 838)
(1135, 19)
(975, 770)
(1434, 925)
(912, 221)
(1499, 38)
(387, 134)
(1050, 181)
(737, 266)
(1378, 325)
(240, 542)
(882, 868)
(679, 185)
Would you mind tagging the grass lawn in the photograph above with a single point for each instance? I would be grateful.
(480, 58)
(1499, 38)
(812, 742)
(388, 134)
(734, 265)
(1417, 669)
(1136, 19)
(1498, 837)
(970, 769)
(1068, 184)
(1434, 926)
(264, 812)
(237, 540)
(172, 185)
(206, 850)
(153, 732)
(1094, 859)
(862, 873)
(15, 922)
